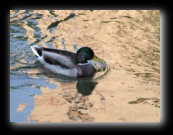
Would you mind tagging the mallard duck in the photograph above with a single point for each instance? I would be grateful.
(68, 63)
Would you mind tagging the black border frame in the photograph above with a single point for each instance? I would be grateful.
(4, 115)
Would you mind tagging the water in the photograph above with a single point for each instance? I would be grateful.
(129, 42)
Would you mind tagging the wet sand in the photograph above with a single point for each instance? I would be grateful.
(129, 41)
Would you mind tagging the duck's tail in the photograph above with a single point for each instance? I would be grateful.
(34, 50)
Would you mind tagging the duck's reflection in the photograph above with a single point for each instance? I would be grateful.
(78, 110)
(86, 87)
(77, 91)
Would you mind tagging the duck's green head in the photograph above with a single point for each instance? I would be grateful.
(86, 53)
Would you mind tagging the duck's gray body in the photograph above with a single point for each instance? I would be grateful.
(63, 62)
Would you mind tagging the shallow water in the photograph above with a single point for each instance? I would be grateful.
(129, 89)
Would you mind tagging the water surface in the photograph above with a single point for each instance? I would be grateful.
(128, 91)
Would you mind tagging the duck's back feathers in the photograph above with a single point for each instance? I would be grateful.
(58, 59)
(65, 59)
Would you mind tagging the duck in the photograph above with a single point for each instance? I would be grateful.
(73, 64)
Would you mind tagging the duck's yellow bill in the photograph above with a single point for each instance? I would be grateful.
(98, 63)
(95, 58)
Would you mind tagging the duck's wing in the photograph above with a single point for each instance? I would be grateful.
(63, 58)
